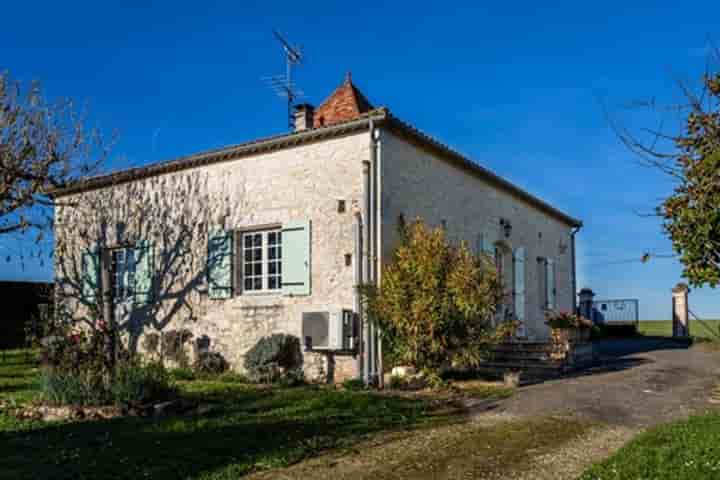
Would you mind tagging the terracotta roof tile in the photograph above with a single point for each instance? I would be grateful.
(345, 103)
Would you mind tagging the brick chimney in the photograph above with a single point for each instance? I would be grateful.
(303, 116)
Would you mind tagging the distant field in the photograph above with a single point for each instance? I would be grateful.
(697, 328)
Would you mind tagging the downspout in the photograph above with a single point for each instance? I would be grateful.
(372, 344)
(375, 140)
(358, 279)
(364, 278)
(574, 230)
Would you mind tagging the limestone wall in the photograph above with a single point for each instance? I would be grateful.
(418, 183)
(175, 212)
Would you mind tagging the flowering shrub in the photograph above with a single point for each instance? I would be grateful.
(565, 319)
(88, 366)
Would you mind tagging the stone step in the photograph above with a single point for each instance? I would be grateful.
(519, 356)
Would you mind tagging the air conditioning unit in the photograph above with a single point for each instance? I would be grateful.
(330, 330)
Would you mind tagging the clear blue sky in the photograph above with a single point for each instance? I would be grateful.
(517, 86)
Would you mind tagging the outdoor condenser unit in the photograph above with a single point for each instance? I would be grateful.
(330, 330)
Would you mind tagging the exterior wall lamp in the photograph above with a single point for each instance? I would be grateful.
(506, 226)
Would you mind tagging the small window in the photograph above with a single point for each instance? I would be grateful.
(262, 260)
(122, 273)
(603, 307)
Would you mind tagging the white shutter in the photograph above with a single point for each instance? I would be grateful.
(519, 282)
(550, 291)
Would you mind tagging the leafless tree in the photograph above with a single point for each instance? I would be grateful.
(43, 146)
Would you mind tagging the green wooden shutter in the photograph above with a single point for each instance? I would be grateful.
(550, 284)
(90, 275)
(519, 282)
(487, 239)
(219, 264)
(296, 258)
(143, 287)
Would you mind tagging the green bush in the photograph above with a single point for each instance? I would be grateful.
(436, 302)
(210, 363)
(66, 388)
(232, 377)
(396, 382)
(137, 384)
(182, 373)
(131, 384)
(274, 357)
(353, 384)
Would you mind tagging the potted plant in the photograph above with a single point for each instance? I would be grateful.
(568, 327)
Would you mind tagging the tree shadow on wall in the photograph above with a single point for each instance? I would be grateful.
(171, 217)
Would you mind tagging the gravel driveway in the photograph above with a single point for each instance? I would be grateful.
(641, 382)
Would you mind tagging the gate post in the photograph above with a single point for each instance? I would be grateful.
(681, 325)
(586, 303)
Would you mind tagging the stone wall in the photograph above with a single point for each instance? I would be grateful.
(417, 183)
(175, 211)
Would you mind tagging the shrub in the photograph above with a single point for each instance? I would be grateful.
(354, 384)
(232, 377)
(210, 363)
(396, 382)
(436, 302)
(173, 346)
(131, 383)
(66, 388)
(151, 342)
(274, 357)
(182, 373)
(135, 384)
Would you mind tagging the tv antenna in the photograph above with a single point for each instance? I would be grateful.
(283, 85)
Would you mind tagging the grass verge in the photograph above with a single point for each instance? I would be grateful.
(247, 429)
(688, 450)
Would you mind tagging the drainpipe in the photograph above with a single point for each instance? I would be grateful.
(358, 279)
(574, 230)
(376, 145)
(365, 270)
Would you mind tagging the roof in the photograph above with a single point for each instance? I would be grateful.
(345, 103)
(344, 123)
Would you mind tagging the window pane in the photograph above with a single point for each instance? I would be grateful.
(248, 284)
(272, 252)
(258, 269)
(257, 254)
(248, 255)
(272, 283)
(257, 283)
(272, 266)
(248, 241)
(257, 240)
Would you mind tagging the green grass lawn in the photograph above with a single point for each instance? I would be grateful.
(251, 429)
(687, 450)
(707, 329)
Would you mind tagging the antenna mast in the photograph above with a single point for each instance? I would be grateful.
(283, 85)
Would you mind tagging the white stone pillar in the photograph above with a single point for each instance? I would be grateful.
(680, 315)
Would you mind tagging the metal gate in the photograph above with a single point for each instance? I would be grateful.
(616, 312)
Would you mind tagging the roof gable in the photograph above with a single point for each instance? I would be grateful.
(345, 103)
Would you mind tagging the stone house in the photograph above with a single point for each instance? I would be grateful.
(241, 242)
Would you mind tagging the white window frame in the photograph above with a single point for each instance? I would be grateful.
(264, 260)
(123, 267)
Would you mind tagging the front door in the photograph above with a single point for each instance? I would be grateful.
(122, 276)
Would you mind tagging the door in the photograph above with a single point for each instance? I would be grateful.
(122, 280)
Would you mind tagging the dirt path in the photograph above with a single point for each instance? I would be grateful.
(546, 431)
